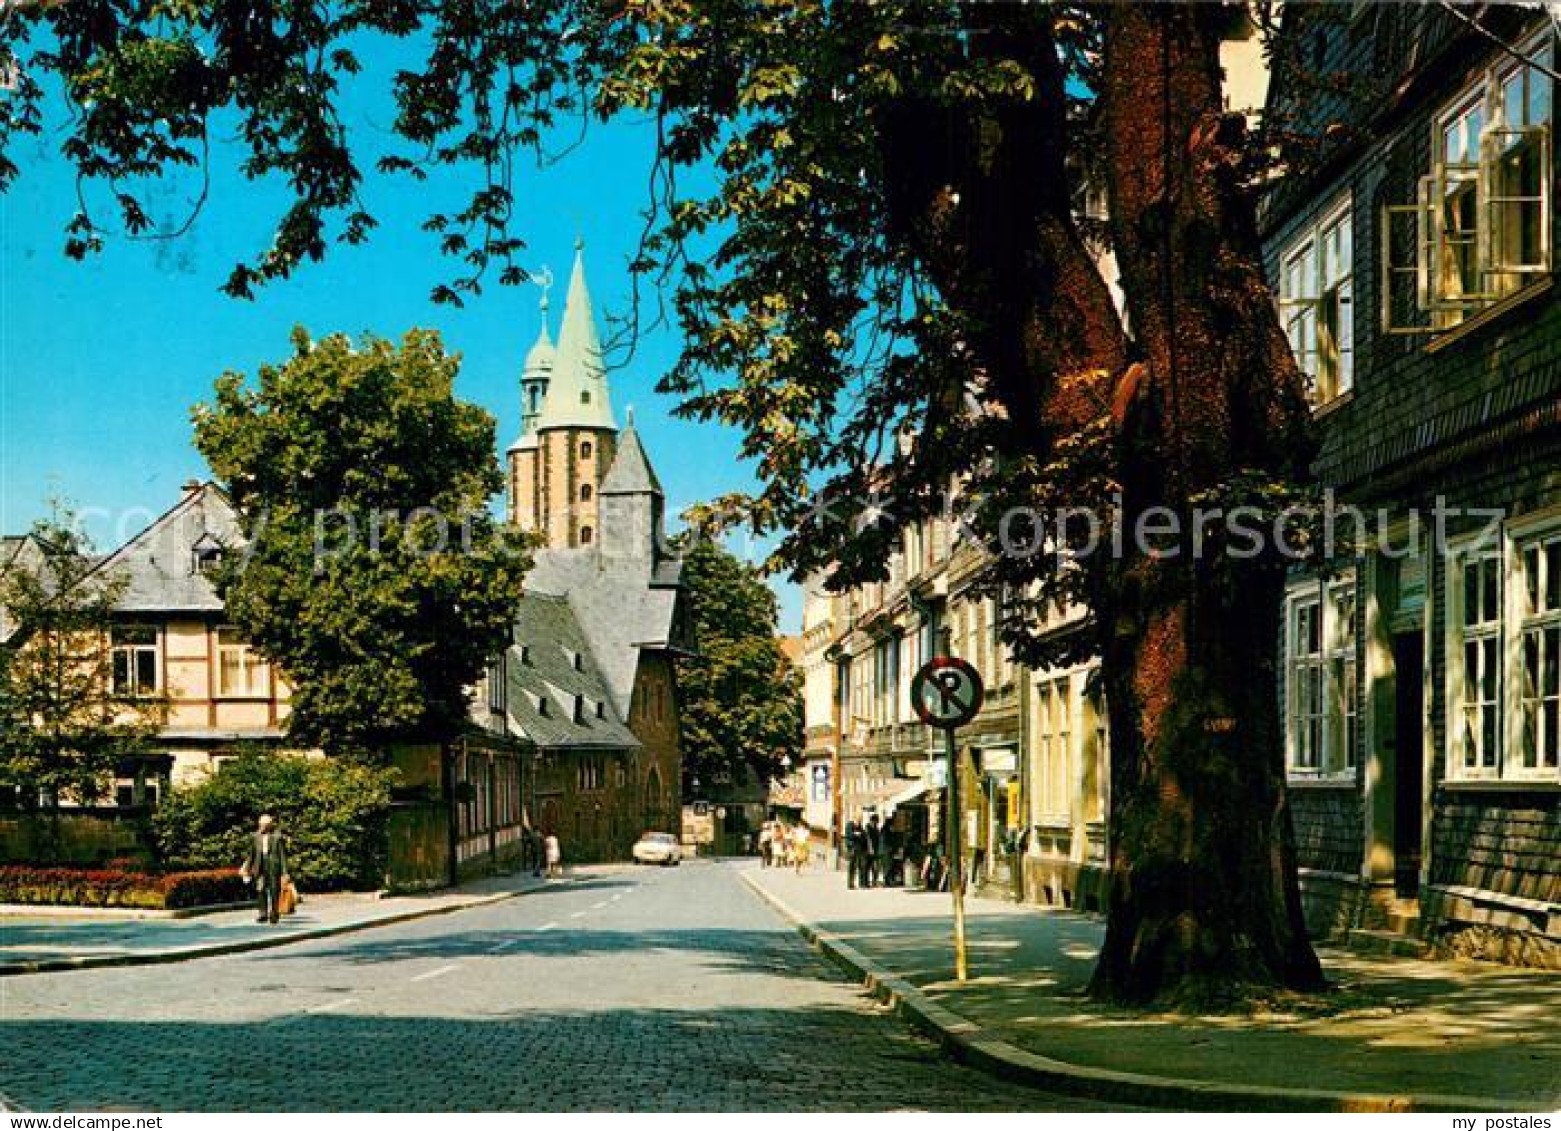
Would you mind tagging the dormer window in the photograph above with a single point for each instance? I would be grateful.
(601, 710)
(544, 707)
(578, 659)
(525, 654)
(205, 555)
(579, 708)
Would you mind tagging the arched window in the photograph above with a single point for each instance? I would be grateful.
(585, 449)
(585, 492)
(585, 535)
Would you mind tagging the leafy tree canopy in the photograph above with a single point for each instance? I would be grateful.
(740, 697)
(373, 574)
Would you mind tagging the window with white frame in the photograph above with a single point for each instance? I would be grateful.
(1539, 656)
(1474, 662)
(1053, 718)
(1095, 735)
(136, 673)
(241, 673)
(1479, 228)
(1320, 676)
(1317, 303)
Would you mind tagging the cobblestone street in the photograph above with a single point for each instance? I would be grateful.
(625, 988)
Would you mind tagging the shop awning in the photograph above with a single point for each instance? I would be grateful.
(909, 796)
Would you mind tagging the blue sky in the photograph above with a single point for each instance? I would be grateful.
(100, 361)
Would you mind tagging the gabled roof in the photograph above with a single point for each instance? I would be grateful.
(21, 552)
(577, 392)
(622, 608)
(630, 473)
(159, 562)
(551, 660)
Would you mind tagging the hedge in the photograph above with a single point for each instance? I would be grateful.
(112, 887)
(333, 813)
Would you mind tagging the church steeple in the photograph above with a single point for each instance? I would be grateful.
(568, 438)
(577, 394)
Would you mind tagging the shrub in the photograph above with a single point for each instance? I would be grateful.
(112, 887)
(333, 814)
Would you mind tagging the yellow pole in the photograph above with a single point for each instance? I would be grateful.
(956, 857)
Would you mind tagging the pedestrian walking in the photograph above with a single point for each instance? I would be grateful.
(555, 856)
(266, 867)
(800, 845)
(853, 839)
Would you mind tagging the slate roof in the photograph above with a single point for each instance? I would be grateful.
(159, 562)
(551, 660)
(621, 606)
(630, 473)
(18, 551)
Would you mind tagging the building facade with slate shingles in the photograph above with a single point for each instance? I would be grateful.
(590, 677)
(1415, 266)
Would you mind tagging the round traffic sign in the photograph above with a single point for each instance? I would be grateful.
(946, 692)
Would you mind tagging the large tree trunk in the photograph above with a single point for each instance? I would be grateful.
(1203, 898)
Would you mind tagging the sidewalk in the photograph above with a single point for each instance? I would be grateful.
(1404, 1033)
(31, 944)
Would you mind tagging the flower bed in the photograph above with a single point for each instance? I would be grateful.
(113, 887)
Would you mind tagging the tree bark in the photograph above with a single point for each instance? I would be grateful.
(1203, 902)
(1203, 898)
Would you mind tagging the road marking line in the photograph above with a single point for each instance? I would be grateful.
(504, 945)
(598, 906)
(330, 1005)
(617, 897)
(577, 915)
(435, 973)
(547, 926)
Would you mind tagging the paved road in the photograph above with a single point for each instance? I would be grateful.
(623, 989)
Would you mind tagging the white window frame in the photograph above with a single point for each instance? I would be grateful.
(1320, 290)
(1457, 638)
(1543, 529)
(1055, 723)
(131, 687)
(257, 671)
(1336, 713)
(1496, 277)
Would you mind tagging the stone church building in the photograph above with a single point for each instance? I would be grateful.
(589, 676)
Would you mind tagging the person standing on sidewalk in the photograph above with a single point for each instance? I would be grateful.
(266, 866)
(872, 845)
(853, 839)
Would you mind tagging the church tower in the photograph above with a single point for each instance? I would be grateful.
(523, 454)
(568, 438)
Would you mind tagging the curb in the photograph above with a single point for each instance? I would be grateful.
(968, 1043)
(266, 942)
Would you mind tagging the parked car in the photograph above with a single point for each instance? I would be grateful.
(658, 848)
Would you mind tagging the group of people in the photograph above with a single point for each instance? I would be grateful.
(872, 853)
(781, 844)
(544, 851)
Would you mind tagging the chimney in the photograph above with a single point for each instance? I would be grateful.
(192, 487)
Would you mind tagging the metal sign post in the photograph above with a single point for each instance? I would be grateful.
(946, 693)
